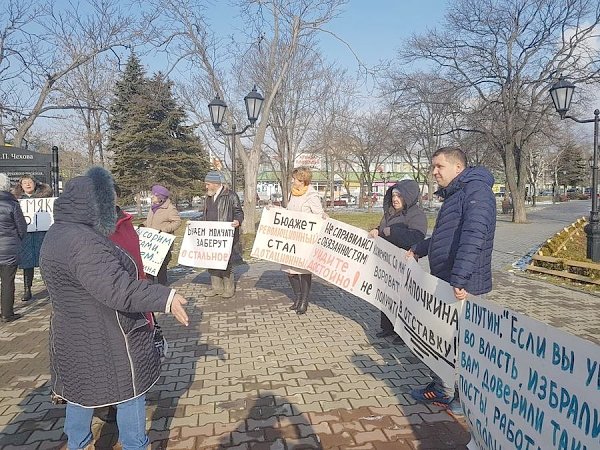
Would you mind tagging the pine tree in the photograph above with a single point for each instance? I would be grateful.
(150, 140)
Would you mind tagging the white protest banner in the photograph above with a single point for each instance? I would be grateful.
(154, 246)
(207, 244)
(387, 269)
(340, 256)
(38, 213)
(422, 308)
(428, 321)
(526, 385)
(286, 237)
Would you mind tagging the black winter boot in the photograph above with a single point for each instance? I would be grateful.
(297, 288)
(27, 283)
(305, 281)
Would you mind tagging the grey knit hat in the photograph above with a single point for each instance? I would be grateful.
(213, 177)
(4, 182)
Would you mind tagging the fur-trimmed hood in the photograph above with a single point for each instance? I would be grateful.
(89, 200)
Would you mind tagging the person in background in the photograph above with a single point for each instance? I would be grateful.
(460, 246)
(303, 198)
(162, 216)
(222, 205)
(403, 224)
(29, 187)
(13, 229)
(101, 346)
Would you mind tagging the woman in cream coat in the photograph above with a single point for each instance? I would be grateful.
(162, 216)
(303, 198)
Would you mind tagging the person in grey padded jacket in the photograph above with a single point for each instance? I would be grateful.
(101, 345)
(12, 231)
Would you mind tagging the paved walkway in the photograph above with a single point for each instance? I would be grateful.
(249, 374)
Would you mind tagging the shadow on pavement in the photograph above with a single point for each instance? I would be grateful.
(270, 421)
(186, 350)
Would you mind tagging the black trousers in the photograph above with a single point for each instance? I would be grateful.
(7, 289)
(161, 276)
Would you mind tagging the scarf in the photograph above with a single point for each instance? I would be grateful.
(155, 206)
(297, 192)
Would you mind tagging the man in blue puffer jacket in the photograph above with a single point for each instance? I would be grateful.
(460, 246)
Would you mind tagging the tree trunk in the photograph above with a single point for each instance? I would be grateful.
(249, 224)
(516, 184)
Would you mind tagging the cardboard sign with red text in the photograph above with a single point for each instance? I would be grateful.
(207, 244)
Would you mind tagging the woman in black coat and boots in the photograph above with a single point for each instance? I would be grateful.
(29, 259)
(12, 230)
(303, 198)
(403, 224)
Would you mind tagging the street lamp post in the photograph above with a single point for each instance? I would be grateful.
(562, 94)
(217, 108)
(385, 177)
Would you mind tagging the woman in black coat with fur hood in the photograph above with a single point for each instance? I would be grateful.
(403, 224)
(101, 345)
(29, 257)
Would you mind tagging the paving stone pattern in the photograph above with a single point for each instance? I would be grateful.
(248, 373)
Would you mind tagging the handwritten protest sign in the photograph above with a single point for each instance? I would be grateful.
(526, 385)
(286, 237)
(154, 246)
(421, 307)
(38, 213)
(340, 255)
(207, 244)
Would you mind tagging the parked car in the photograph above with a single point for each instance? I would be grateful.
(350, 199)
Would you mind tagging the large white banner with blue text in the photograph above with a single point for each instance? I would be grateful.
(526, 385)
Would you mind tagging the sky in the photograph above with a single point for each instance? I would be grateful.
(374, 29)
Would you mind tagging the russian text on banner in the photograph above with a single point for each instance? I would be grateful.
(422, 307)
(286, 237)
(207, 244)
(38, 213)
(524, 384)
(154, 246)
(340, 256)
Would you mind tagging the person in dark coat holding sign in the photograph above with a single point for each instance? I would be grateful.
(222, 205)
(403, 224)
(29, 259)
(13, 229)
(101, 347)
(460, 247)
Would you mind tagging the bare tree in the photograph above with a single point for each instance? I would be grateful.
(370, 142)
(277, 29)
(51, 43)
(425, 107)
(506, 54)
(90, 87)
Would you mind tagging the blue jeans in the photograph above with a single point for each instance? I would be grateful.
(131, 421)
